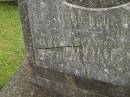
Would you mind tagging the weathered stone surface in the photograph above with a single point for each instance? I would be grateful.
(78, 48)
(83, 38)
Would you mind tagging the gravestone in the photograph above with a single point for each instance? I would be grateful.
(78, 48)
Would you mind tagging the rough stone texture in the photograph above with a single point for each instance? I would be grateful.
(20, 86)
(82, 40)
(78, 48)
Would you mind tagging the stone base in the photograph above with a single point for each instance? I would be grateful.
(20, 85)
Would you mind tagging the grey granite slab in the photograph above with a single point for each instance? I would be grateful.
(78, 48)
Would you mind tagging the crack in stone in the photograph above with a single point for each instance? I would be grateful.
(60, 47)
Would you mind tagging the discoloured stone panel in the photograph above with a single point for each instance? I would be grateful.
(65, 25)
(88, 62)
(75, 87)
(79, 49)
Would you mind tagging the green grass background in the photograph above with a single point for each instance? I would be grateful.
(11, 42)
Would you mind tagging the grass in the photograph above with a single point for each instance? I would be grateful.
(11, 42)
